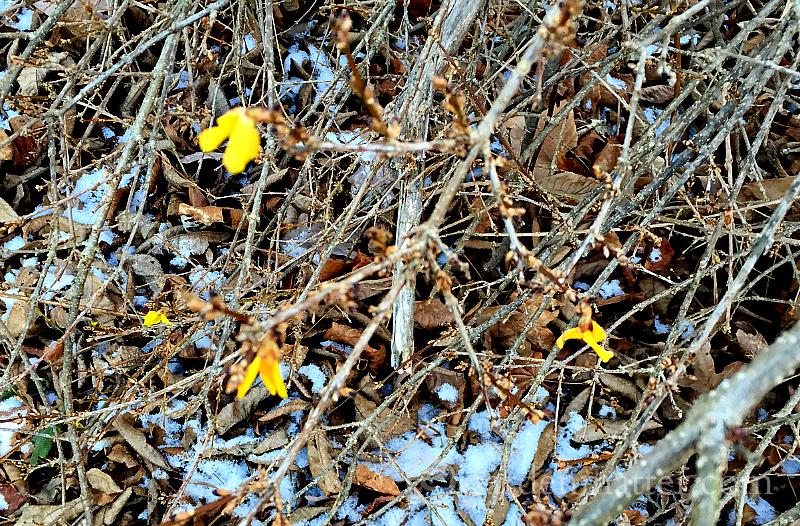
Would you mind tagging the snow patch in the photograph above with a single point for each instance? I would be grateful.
(447, 393)
(11, 409)
(316, 375)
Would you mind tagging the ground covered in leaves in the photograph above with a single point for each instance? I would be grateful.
(414, 236)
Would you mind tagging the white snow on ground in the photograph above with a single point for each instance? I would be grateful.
(763, 509)
(610, 289)
(12, 415)
(315, 374)
(479, 462)
(15, 243)
(523, 451)
(607, 412)
(447, 393)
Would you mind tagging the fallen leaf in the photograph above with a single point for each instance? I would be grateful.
(319, 460)
(657, 94)
(388, 424)
(30, 144)
(378, 483)
(567, 184)
(304, 514)
(597, 429)
(12, 497)
(606, 160)
(621, 385)
(513, 129)
(432, 314)
(635, 517)
(291, 406)
(101, 481)
(111, 513)
(138, 442)
(504, 333)
(705, 373)
(339, 333)
(440, 376)
(561, 138)
(208, 215)
(49, 514)
(660, 257)
(211, 510)
(751, 343)
(6, 152)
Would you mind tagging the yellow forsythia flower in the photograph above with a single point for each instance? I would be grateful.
(154, 317)
(590, 335)
(264, 364)
(244, 141)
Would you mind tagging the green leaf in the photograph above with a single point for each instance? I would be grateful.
(42, 443)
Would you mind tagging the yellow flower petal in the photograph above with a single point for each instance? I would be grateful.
(244, 145)
(597, 332)
(154, 317)
(210, 139)
(267, 376)
(249, 377)
(574, 333)
(280, 387)
(605, 355)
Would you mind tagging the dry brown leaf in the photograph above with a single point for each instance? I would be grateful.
(208, 215)
(544, 449)
(280, 520)
(81, 18)
(289, 407)
(30, 144)
(144, 265)
(657, 94)
(319, 460)
(173, 176)
(49, 514)
(15, 321)
(304, 514)
(766, 190)
(597, 429)
(111, 513)
(587, 146)
(606, 160)
(199, 514)
(334, 267)
(120, 454)
(513, 129)
(705, 373)
(388, 424)
(101, 481)
(567, 184)
(378, 483)
(635, 517)
(562, 138)
(12, 497)
(6, 153)
(340, 333)
(440, 376)
(504, 333)
(197, 197)
(660, 261)
(751, 343)
(274, 440)
(138, 442)
(621, 385)
(432, 314)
